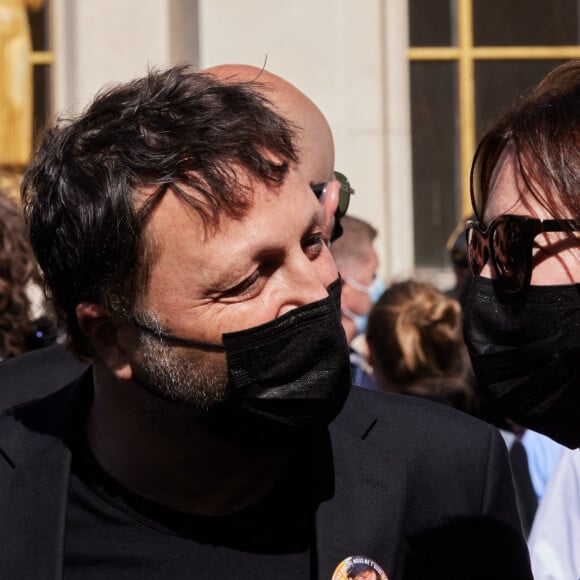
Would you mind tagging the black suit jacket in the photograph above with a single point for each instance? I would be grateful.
(37, 373)
(421, 489)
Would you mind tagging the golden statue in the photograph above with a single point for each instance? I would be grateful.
(15, 81)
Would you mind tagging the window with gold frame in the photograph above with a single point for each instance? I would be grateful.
(468, 60)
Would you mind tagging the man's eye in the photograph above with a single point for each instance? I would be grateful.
(313, 244)
(243, 287)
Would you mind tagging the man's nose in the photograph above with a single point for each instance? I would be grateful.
(307, 283)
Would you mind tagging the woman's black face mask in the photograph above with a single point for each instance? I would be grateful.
(525, 351)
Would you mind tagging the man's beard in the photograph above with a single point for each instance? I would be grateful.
(185, 376)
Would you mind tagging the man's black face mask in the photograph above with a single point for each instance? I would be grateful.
(286, 376)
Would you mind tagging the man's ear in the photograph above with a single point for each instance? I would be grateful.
(103, 333)
(330, 203)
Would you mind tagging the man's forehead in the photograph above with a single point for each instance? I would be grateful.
(173, 210)
(201, 201)
(193, 259)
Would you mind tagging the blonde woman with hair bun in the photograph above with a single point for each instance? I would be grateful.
(416, 347)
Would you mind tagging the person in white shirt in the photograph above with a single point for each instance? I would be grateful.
(554, 541)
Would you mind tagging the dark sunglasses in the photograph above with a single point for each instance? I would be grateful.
(345, 191)
(508, 241)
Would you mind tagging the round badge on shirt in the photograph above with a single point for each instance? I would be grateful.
(359, 568)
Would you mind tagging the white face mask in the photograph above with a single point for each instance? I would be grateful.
(374, 290)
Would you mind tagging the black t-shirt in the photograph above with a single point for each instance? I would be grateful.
(114, 534)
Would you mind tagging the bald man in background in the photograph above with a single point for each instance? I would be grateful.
(314, 136)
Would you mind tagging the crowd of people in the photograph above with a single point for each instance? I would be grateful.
(26, 321)
(240, 392)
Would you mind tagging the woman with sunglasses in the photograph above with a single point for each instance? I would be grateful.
(522, 317)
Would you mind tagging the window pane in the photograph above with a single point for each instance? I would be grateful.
(42, 101)
(39, 30)
(525, 22)
(435, 171)
(498, 83)
(431, 22)
(38, 20)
